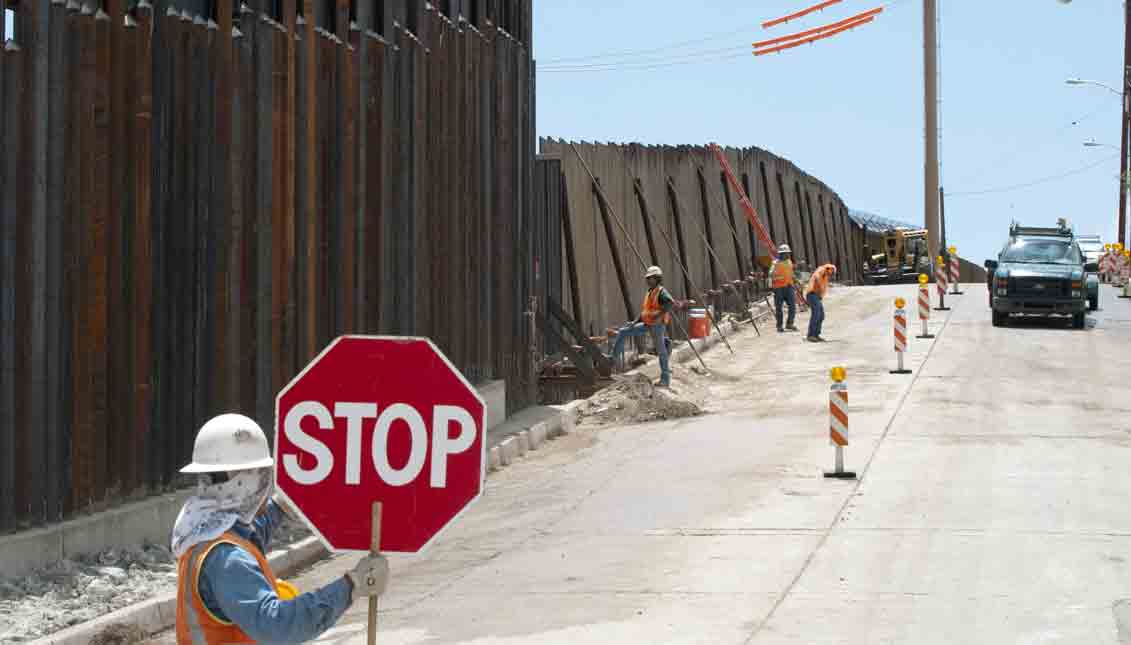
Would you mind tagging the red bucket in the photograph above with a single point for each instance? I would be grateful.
(698, 326)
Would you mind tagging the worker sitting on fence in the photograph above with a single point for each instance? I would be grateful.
(815, 292)
(226, 591)
(655, 316)
(781, 281)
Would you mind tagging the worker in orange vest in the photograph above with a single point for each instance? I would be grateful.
(814, 295)
(655, 316)
(226, 591)
(781, 281)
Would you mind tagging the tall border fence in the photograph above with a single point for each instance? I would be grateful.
(195, 197)
(679, 194)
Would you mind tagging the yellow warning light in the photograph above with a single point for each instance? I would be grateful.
(899, 302)
(838, 374)
(1118, 246)
(923, 278)
(940, 260)
(1107, 247)
(953, 250)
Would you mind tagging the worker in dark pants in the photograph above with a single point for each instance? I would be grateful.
(781, 281)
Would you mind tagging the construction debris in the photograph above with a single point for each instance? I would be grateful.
(635, 400)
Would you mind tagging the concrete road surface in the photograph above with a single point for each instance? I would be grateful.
(992, 506)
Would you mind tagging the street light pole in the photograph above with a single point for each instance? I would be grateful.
(931, 105)
(1125, 123)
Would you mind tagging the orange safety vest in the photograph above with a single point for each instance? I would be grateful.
(781, 274)
(195, 624)
(651, 311)
(819, 281)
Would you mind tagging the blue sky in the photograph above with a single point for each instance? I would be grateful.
(849, 109)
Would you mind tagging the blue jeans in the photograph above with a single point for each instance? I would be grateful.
(784, 295)
(816, 314)
(640, 329)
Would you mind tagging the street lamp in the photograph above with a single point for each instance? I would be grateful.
(1125, 120)
(1081, 81)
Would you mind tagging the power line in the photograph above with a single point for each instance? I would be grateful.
(645, 61)
(636, 52)
(1011, 154)
(631, 67)
(1036, 182)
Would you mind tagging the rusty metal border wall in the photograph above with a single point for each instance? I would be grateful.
(192, 205)
(683, 189)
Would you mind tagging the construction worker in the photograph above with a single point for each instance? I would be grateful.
(655, 316)
(781, 281)
(815, 292)
(226, 591)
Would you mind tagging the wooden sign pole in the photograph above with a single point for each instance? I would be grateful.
(374, 549)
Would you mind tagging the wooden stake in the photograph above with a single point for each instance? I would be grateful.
(374, 549)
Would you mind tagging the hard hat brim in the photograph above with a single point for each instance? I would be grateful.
(192, 468)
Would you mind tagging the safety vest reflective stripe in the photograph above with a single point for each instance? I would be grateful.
(651, 311)
(195, 631)
(781, 274)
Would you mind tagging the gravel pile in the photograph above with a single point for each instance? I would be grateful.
(70, 592)
(635, 400)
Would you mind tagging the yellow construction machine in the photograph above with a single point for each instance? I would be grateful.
(904, 257)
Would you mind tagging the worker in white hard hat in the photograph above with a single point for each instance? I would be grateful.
(655, 316)
(782, 282)
(226, 591)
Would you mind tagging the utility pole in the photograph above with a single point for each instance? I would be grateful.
(1126, 122)
(931, 107)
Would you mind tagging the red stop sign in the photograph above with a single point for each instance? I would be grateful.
(379, 419)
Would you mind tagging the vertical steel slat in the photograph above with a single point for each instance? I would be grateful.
(248, 183)
(738, 254)
(264, 216)
(119, 449)
(10, 110)
(141, 123)
(705, 204)
(677, 218)
(225, 370)
(282, 234)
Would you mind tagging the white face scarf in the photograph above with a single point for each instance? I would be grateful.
(217, 507)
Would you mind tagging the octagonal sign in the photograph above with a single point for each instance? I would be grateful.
(380, 419)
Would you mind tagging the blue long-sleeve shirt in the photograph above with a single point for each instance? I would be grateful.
(233, 588)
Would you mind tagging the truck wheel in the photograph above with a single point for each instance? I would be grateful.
(1000, 319)
(1094, 304)
(1078, 321)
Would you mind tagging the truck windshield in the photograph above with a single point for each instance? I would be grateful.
(1042, 251)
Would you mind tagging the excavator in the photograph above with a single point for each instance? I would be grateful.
(904, 257)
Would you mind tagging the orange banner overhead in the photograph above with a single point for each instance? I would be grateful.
(821, 36)
(817, 30)
(799, 14)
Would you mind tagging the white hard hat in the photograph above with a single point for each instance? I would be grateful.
(654, 272)
(784, 248)
(229, 442)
